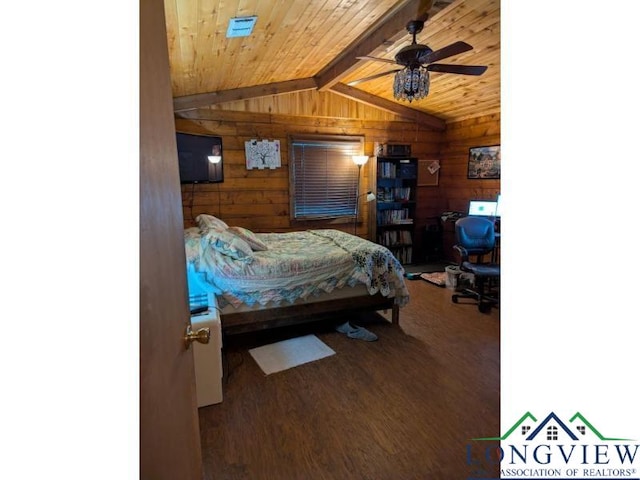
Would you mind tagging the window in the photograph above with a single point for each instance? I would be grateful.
(552, 433)
(324, 179)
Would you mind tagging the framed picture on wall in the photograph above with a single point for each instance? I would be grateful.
(484, 162)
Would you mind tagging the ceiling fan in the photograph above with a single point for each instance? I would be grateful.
(412, 81)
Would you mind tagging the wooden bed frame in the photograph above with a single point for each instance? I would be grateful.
(251, 321)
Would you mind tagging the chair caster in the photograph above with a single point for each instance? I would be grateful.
(484, 307)
(454, 298)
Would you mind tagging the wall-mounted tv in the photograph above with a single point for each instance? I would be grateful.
(199, 158)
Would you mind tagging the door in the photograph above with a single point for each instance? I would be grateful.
(169, 432)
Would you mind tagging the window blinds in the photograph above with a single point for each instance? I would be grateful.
(325, 179)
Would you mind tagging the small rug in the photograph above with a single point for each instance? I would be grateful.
(436, 278)
(286, 354)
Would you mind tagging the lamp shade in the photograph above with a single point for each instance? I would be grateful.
(360, 159)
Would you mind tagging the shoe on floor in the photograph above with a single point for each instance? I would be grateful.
(363, 334)
(356, 332)
(346, 327)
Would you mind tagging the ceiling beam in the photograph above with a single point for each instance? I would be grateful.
(391, 28)
(192, 102)
(389, 106)
(388, 30)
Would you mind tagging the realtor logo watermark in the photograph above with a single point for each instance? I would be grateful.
(552, 448)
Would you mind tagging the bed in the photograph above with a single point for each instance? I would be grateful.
(267, 280)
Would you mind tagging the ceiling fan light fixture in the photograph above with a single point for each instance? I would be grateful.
(411, 83)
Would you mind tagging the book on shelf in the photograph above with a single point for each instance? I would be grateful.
(394, 216)
(403, 254)
(391, 238)
(387, 169)
(393, 194)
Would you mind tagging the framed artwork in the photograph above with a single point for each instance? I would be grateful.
(262, 154)
(428, 173)
(484, 162)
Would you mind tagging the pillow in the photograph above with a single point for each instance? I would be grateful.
(209, 222)
(229, 244)
(251, 238)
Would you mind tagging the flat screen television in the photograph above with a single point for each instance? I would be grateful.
(200, 158)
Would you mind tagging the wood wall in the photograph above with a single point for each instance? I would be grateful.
(259, 199)
(455, 188)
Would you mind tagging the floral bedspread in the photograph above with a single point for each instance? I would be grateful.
(297, 265)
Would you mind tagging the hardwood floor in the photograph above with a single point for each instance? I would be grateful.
(403, 407)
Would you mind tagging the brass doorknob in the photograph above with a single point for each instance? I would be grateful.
(202, 335)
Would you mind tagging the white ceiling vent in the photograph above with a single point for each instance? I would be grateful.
(241, 26)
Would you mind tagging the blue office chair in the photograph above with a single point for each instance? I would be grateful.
(476, 240)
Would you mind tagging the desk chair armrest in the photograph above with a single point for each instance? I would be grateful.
(464, 254)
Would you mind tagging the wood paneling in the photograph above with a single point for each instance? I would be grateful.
(291, 40)
(300, 45)
(451, 97)
(456, 188)
(259, 199)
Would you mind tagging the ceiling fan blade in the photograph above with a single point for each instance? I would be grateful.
(386, 60)
(448, 51)
(461, 69)
(366, 79)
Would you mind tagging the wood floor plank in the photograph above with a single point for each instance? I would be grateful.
(403, 407)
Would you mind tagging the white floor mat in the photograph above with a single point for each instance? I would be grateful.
(280, 356)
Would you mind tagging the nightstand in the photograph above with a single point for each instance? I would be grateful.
(207, 357)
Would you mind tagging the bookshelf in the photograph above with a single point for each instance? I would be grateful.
(396, 182)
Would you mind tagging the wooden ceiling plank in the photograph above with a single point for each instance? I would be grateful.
(210, 31)
(190, 102)
(454, 30)
(310, 103)
(173, 43)
(185, 32)
(307, 30)
(445, 88)
(457, 12)
(403, 38)
(475, 37)
(406, 112)
(390, 29)
(229, 119)
(484, 43)
(273, 30)
(362, 19)
(233, 57)
(233, 70)
(231, 52)
(465, 22)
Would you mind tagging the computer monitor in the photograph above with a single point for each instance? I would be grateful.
(482, 208)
